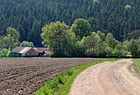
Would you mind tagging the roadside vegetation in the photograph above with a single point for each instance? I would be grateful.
(60, 84)
(136, 66)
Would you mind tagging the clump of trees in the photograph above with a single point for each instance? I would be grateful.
(58, 38)
(8, 41)
(79, 40)
(26, 44)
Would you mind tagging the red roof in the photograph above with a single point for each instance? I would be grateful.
(46, 50)
(32, 51)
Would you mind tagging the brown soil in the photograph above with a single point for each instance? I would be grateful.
(23, 76)
(107, 79)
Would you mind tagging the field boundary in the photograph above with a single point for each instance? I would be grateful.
(61, 83)
(135, 67)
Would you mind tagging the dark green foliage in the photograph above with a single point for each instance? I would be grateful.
(29, 16)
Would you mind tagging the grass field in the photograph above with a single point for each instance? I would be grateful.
(136, 65)
(60, 84)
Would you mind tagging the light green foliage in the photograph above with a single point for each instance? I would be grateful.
(93, 45)
(134, 48)
(4, 53)
(138, 43)
(81, 28)
(108, 50)
(110, 40)
(26, 44)
(127, 7)
(58, 38)
(136, 66)
(126, 45)
(10, 39)
(102, 35)
(80, 43)
(120, 51)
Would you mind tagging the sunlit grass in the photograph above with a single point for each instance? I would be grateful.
(136, 65)
(60, 84)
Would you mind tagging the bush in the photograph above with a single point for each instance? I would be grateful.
(4, 52)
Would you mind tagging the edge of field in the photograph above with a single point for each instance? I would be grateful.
(135, 67)
(61, 83)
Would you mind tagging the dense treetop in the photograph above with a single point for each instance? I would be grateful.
(120, 17)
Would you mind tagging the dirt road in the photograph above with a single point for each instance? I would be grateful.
(107, 79)
(23, 76)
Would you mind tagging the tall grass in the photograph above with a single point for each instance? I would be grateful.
(136, 65)
(60, 84)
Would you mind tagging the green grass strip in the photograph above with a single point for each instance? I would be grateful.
(136, 65)
(61, 84)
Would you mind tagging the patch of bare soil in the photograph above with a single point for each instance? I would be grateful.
(23, 76)
(107, 79)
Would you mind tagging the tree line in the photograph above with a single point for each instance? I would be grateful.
(120, 17)
(77, 40)
(80, 40)
(11, 40)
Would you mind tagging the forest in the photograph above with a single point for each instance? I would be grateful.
(119, 17)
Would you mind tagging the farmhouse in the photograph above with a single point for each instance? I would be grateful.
(31, 52)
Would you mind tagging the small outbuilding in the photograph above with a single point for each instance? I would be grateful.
(44, 52)
(31, 52)
(28, 51)
(15, 51)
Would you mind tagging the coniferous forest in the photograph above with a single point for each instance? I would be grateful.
(119, 17)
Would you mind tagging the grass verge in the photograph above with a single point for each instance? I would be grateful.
(60, 84)
(136, 65)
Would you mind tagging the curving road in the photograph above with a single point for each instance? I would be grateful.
(107, 79)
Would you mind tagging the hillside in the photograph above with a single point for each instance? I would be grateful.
(29, 16)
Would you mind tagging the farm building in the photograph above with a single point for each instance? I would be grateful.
(44, 51)
(29, 51)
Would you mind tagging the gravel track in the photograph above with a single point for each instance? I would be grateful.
(23, 76)
(107, 79)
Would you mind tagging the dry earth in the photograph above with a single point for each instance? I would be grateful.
(23, 76)
(107, 79)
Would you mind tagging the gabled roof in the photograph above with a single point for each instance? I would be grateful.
(17, 49)
(23, 50)
(46, 50)
(26, 49)
(32, 51)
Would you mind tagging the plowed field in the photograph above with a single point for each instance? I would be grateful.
(23, 76)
